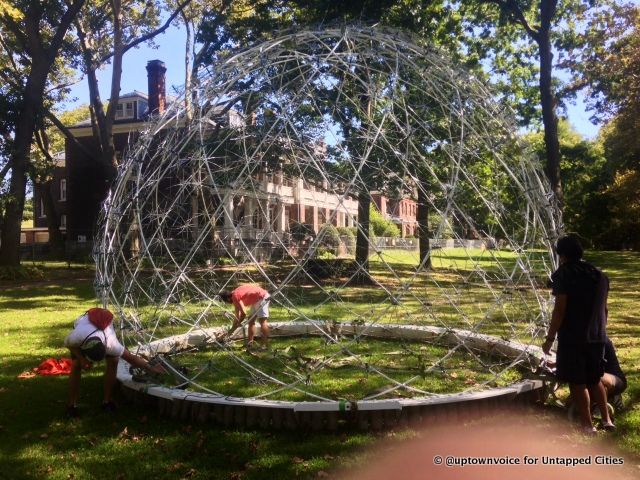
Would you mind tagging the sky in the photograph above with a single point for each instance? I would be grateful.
(171, 51)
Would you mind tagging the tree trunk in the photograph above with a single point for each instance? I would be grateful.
(101, 120)
(548, 102)
(109, 159)
(422, 217)
(56, 241)
(96, 106)
(25, 128)
(101, 128)
(188, 88)
(362, 240)
(41, 60)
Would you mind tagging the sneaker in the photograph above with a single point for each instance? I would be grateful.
(609, 426)
(589, 431)
(109, 407)
(72, 412)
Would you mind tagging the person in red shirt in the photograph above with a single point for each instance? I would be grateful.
(252, 302)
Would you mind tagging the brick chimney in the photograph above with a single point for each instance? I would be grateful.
(157, 92)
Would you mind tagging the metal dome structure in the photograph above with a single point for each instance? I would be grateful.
(379, 194)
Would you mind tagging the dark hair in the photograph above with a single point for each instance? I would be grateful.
(569, 247)
(225, 295)
(93, 349)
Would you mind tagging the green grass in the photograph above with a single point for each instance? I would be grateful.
(468, 303)
(346, 370)
(36, 442)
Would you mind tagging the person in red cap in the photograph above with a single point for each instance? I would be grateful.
(252, 301)
(92, 339)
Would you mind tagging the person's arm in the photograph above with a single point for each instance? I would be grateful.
(140, 362)
(82, 361)
(240, 310)
(559, 309)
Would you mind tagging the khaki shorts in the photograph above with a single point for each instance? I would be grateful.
(260, 309)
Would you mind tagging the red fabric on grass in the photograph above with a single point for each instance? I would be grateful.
(51, 366)
(100, 317)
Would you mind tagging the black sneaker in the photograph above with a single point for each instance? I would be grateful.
(609, 427)
(72, 412)
(109, 407)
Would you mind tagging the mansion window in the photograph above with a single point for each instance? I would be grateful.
(124, 110)
(63, 189)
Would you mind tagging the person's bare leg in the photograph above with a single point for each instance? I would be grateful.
(580, 396)
(598, 393)
(251, 332)
(264, 332)
(74, 382)
(609, 382)
(111, 369)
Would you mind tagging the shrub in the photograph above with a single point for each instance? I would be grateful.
(380, 226)
(348, 236)
(323, 268)
(325, 254)
(301, 231)
(347, 232)
(329, 236)
(21, 272)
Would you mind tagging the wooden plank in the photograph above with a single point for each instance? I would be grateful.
(227, 416)
(277, 418)
(290, 420)
(240, 416)
(203, 413)
(264, 417)
(251, 418)
(317, 421)
(176, 407)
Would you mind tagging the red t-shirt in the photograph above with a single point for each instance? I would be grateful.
(248, 294)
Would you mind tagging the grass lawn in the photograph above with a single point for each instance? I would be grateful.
(37, 442)
(469, 289)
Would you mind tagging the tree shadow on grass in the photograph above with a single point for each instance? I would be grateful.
(134, 443)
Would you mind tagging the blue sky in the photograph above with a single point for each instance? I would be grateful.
(171, 51)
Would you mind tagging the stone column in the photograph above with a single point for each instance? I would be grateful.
(316, 225)
(280, 220)
(228, 216)
(267, 214)
(248, 217)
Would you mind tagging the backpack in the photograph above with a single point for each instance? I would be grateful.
(101, 318)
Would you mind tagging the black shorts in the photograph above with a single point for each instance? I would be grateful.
(580, 364)
(74, 357)
(619, 386)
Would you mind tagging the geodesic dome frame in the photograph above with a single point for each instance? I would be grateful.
(318, 126)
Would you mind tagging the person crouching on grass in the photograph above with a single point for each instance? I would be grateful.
(253, 301)
(579, 320)
(92, 339)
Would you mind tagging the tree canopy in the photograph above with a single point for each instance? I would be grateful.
(520, 46)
